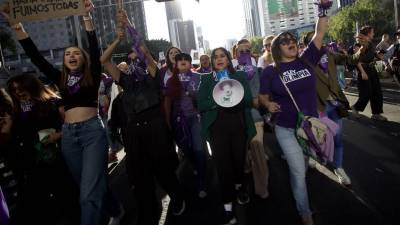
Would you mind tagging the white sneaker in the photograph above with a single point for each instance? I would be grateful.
(312, 163)
(343, 178)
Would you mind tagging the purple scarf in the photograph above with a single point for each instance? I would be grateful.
(246, 65)
(74, 79)
(136, 39)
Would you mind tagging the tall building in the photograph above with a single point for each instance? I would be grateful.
(51, 38)
(284, 15)
(173, 11)
(200, 38)
(206, 46)
(181, 33)
(186, 36)
(105, 19)
(252, 17)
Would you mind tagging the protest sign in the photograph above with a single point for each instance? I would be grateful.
(30, 10)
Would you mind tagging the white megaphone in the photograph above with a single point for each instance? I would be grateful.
(228, 93)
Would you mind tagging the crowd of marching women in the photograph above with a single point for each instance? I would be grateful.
(56, 140)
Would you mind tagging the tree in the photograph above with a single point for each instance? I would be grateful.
(157, 45)
(377, 13)
(6, 40)
(256, 45)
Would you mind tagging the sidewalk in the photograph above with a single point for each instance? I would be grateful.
(391, 111)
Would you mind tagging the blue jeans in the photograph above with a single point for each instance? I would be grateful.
(84, 147)
(297, 167)
(330, 111)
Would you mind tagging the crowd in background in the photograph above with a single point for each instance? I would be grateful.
(56, 140)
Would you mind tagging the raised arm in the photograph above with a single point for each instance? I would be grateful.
(107, 54)
(94, 50)
(322, 23)
(33, 53)
(87, 18)
(144, 53)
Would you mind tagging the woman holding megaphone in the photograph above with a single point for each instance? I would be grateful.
(225, 103)
(84, 143)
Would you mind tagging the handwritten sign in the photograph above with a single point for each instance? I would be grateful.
(30, 10)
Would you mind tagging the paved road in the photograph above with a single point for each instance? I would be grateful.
(372, 160)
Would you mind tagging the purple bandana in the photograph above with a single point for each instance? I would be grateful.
(73, 82)
(245, 64)
(323, 63)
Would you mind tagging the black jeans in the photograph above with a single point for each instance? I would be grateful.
(369, 90)
(228, 145)
(150, 154)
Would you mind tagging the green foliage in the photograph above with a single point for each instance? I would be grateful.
(256, 45)
(6, 40)
(157, 45)
(377, 13)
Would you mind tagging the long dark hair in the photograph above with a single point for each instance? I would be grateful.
(276, 50)
(87, 79)
(170, 65)
(230, 68)
(174, 84)
(38, 92)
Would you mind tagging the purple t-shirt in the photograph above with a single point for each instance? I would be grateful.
(300, 80)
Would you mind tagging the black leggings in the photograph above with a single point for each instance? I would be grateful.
(150, 154)
(228, 145)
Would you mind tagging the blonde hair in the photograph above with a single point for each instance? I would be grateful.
(268, 39)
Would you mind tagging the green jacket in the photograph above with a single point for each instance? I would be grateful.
(329, 85)
(209, 108)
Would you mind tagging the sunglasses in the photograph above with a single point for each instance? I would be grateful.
(287, 40)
